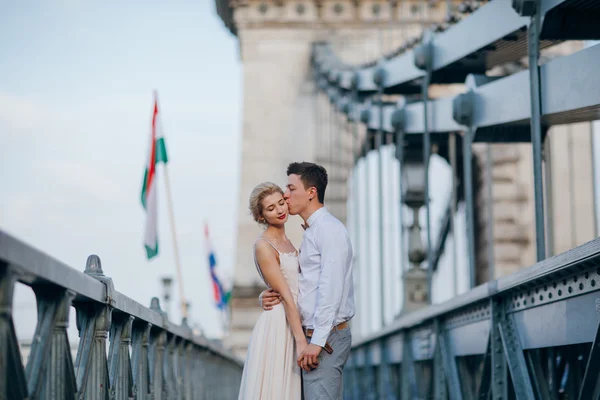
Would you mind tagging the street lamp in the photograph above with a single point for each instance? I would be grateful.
(416, 294)
(167, 283)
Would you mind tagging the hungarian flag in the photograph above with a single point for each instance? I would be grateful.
(221, 293)
(158, 153)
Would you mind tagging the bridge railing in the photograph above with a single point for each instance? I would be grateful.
(540, 324)
(125, 350)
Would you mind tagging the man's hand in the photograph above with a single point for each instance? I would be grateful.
(269, 298)
(309, 359)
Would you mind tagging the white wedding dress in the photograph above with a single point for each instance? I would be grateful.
(270, 370)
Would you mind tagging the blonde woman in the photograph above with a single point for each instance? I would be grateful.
(271, 370)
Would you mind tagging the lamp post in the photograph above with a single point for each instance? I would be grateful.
(416, 284)
(167, 283)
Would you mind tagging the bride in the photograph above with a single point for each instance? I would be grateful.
(270, 370)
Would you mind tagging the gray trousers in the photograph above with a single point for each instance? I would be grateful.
(325, 382)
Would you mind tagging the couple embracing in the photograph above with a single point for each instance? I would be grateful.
(302, 340)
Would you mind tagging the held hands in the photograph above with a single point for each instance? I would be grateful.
(301, 345)
(268, 299)
(309, 358)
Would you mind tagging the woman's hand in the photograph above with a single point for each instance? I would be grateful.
(268, 299)
(301, 345)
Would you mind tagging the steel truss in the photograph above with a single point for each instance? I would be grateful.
(530, 335)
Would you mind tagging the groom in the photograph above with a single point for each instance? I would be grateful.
(326, 295)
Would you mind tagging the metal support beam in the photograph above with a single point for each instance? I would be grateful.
(499, 370)
(440, 391)
(409, 381)
(169, 369)
(533, 42)
(490, 211)
(469, 199)
(538, 381)
(366, 189)
(158, 341)
(13, 384)
(385, 388)
(483, 389)
(453, 200)
(369, 376)
(400, 157)
(140, 365)
(379, 145)
(93, 322)
(513, 352)
(356, 225)
(449, 363)
(120, 373)
(356, 382)
(590, 387)
(49, 371)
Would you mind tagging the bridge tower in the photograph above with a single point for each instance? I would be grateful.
(286, 118)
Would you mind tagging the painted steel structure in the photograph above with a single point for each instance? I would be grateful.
(126, 350)
(530, 335)
(534, 334)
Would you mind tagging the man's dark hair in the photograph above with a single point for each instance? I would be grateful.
(311, 175)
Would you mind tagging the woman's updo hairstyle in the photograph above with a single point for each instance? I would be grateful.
(257, 196)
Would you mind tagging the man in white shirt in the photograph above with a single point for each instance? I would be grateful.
(326, 291)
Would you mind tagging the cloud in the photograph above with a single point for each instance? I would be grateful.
(79, 177)
(20, 115)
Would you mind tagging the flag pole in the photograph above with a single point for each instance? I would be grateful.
(184, 310)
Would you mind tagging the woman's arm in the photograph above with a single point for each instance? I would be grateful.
(271, 271)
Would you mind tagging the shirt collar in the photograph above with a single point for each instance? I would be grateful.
(316, 215)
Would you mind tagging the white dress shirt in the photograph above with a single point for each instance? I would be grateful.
(326, 296)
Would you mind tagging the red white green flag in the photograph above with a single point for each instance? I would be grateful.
(158, 153)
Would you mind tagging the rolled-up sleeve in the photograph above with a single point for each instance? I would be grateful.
(335, 250)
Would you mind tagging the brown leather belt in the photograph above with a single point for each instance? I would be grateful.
(338, 327)
(327, 347)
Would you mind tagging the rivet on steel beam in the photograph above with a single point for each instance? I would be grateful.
(355, 80)
(322, 84)
(379, 76)
(365, 116)
(347, 108)
(334, 77)
(463, 108)
(398, 119)
(424, 53)
(333, 96)
(525, 8)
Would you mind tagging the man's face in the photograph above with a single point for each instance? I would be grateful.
(296, 195)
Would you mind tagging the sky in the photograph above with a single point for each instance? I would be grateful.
(76, 84)
(76, 88)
